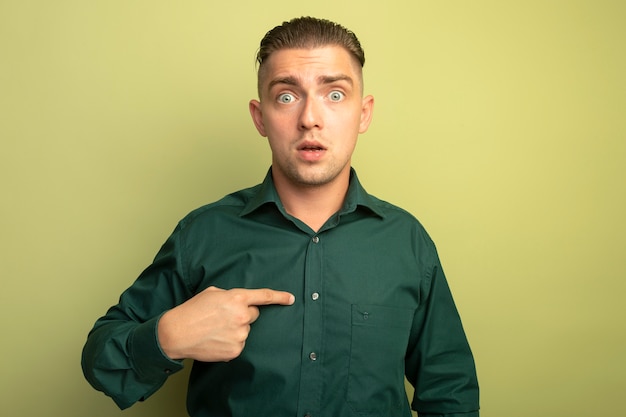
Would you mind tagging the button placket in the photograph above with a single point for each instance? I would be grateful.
(311, 378)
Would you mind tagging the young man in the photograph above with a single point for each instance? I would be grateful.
(301, 296)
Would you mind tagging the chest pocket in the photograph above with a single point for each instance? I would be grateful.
(379, 340)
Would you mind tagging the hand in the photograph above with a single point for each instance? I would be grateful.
(213, 325)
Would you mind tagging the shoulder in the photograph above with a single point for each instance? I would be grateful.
(394, 212)
(396, 217)
(230, 205)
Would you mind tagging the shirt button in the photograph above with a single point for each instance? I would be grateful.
(315, 296)
(316, 239)
(313, 356)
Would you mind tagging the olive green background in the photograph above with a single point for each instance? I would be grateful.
(500, 124)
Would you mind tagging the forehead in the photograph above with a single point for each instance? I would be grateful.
(309, 63)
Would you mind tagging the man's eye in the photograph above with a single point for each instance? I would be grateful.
(336, 96)
(286, 98)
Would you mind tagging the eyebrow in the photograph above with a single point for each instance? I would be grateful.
(331, 79)
(324, 79)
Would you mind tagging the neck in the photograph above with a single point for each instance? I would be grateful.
(313, 205)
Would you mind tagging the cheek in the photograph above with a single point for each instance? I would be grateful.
(348, 122)
(277, 122)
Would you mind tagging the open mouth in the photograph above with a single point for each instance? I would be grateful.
(311, 151)
(311, 147)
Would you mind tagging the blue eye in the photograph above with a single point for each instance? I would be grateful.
(336, 96)
(286, 98)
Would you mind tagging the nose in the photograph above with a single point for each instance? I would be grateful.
(310, 115)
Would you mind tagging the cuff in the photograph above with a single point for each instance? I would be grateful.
(148, 358)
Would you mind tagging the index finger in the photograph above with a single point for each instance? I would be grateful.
(267, 296)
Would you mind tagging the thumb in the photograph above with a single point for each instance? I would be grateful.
(214, 289)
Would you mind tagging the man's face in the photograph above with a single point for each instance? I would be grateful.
(311, 110)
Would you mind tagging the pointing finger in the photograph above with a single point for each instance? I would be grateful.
(266, 296)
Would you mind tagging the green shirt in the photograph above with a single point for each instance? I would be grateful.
(372, 305)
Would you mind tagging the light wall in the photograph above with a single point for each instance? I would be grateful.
(500, 124)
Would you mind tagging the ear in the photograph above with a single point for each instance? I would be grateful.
(257, 116)
(367, 108)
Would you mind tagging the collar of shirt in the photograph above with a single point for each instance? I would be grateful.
(355, 197)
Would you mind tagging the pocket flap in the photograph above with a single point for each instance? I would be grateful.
(375, 315)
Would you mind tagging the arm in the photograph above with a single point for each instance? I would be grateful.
(127, 354)
(439, 361)
(122, 356)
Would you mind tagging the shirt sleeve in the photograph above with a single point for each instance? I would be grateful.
(439, 362)
(122, 356)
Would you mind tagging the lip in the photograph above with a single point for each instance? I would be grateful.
(311, 146)
(311, 151)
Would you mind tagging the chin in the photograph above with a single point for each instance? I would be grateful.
(315, 179)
